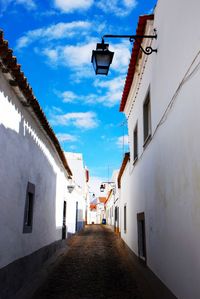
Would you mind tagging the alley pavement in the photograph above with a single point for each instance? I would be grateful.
(99, 266)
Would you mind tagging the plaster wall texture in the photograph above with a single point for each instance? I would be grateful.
(26, 155)
(75, 161)
(116, 200)
(92, 217)
(164, 182)
(71, 215)
(125, 200)
(79, 194)
(110, 210)
(76, 207)
(100, 212)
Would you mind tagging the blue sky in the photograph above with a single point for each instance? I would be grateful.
(53, 41)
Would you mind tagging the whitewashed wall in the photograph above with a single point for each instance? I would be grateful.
(100, 213)
(116, 200)
(125, 199)
(92, 217)
(164, 182)
(110, 210)
(75, 197)
(26, 155)
(79, 194)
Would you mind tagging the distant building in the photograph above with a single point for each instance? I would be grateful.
(112, 202)
(34, 175)
(109, 207)
(126, 204)
(79, 196)
(92, 214)
(160, 188)
(101, 212)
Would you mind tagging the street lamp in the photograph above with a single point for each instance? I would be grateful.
(103, 185)
(71, 185)
(102, 57)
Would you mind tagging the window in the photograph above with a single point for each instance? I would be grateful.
(125, 219)
(28, 211)
(147, 118)
(135, 143)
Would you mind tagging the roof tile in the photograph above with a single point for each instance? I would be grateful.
(10, 62)
(133, 61)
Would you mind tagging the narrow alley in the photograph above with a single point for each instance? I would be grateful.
(98, 265)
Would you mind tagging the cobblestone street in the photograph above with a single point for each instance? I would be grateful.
(96, 266)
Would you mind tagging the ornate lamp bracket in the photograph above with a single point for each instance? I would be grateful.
(148, 50)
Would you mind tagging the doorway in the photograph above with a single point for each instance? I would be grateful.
(76, 216)
(141, 236)
(64, 220)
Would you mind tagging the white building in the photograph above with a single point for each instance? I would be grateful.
(109, 208)
(112, 202)
(100, 209)
(160, 185)
(34, 175)
(92, 214)
(79, 196)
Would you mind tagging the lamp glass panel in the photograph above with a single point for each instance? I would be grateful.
(94, 62)
(103, 59)
(102, 71)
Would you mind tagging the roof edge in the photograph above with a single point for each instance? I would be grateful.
(133, 60)
(123, 166)
(12, 67)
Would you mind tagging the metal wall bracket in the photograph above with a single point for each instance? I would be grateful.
(148, 50)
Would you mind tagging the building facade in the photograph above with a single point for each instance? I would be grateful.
(79, 195)
(34, 175)
(124, 204)
(92, 214)
(100, 209)
(112, 204)
(160, 184)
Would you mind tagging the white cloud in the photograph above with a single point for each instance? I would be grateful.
(111, 90)
(130, 3)
(51, 54)
(78, 58)
(121, 57)
(74, 56)
(83, 120)
(108, 93)
(122, 141)
(68, 96)
(54, 32)
(69, 6)
(28, 4)
(120, 8)
(54, 109)
(63, 137)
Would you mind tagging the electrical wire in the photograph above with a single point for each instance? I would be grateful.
(187, 76)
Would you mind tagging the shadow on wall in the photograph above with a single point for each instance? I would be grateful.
(24, 158)
(15, 117)
(23, 254)
(20, 159)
